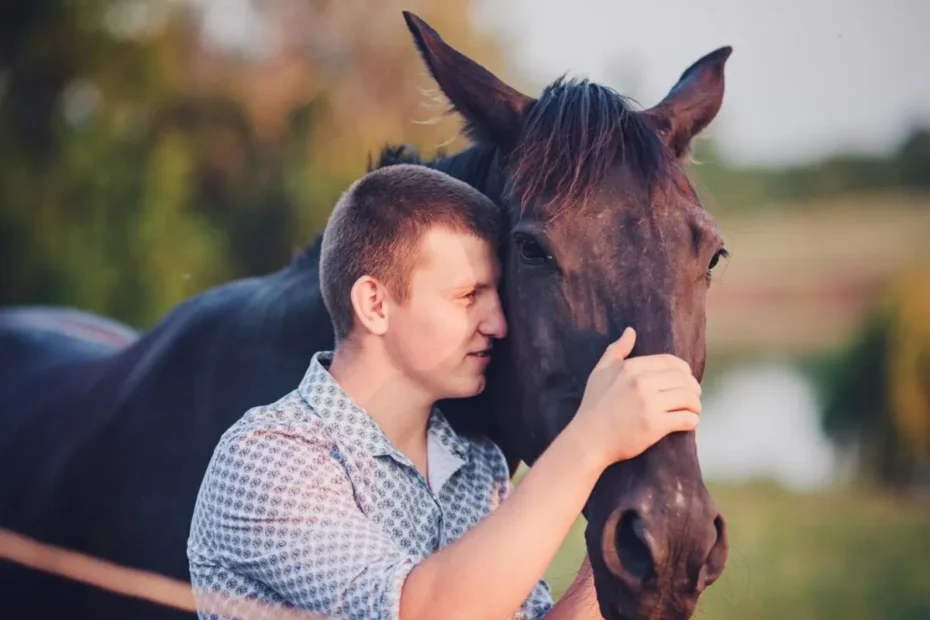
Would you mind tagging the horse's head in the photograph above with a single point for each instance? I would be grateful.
(605, 230)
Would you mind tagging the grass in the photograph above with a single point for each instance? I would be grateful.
(850, 555)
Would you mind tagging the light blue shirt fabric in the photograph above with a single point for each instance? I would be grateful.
(307, 504)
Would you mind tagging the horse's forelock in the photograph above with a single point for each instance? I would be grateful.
(574, 133)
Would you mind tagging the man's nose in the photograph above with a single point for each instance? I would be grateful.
(494, 323)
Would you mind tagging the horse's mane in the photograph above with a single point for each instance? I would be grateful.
(393, 154)
(574, 132)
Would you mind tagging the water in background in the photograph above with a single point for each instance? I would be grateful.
(760, 421)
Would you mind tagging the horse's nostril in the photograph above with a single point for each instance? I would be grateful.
(717, 556)
(718, 526)
(632, 550)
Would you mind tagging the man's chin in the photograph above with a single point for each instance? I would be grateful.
(467, 389)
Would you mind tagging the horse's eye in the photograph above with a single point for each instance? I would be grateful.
(721, 253)
(531, 252)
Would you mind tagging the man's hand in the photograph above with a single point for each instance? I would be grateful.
(630, 404)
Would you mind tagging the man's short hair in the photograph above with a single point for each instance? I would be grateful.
(376, 226)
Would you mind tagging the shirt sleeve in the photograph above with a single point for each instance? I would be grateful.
(281, 510)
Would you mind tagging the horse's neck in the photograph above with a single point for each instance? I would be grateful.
(241, 344)
(298, 300)
(476, 165)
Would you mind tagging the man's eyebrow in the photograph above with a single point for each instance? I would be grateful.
(473, 284)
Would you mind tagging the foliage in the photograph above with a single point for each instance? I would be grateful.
(728, 188)
(142, 165)
(876, 392)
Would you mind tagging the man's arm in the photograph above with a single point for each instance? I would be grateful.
(627, 406)
(497, 563)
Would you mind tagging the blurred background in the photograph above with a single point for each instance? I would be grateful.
(150, 149)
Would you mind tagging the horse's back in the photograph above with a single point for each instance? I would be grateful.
(48, 357)
(41, 350)
(115, 431)
(79, 324)
(39, 337)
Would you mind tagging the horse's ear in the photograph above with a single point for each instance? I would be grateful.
(693, 102)
(493, 111)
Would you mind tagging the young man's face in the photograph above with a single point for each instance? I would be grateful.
(441, 334)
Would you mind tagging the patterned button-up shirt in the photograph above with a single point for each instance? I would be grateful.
(307, 504)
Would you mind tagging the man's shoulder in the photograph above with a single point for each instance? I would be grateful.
(271, 450)
(275, 462)
(289, 420)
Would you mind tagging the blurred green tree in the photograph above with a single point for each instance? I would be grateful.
(876, 392)
(733, 188)
(142, 164)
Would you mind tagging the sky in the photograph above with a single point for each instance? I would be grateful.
(807, 78)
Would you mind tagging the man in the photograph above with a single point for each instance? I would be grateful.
(352, 496)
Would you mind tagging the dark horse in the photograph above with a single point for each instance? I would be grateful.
(105, 435)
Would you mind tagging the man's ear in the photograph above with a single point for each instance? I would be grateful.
(494, 112)
(368, 301)
(692, 103)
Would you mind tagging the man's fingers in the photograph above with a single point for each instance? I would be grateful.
(680, 421)
(678, 399)
(669, 379)
(661, 361)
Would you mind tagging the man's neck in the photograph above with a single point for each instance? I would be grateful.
(399, 408)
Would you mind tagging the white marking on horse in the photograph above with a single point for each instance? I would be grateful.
(679, 495)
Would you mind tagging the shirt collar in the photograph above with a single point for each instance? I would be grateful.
(354, 427)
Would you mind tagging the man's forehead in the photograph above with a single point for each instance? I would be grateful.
(460, 273)
(458, 259)
(441, 246)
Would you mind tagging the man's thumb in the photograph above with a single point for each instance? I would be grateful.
(618, 349)
(626, 342)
